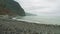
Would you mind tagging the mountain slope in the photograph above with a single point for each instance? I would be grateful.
(11, 7)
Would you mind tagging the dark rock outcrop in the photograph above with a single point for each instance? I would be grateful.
(11, 7)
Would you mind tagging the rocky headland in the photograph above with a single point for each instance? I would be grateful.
(11, 8)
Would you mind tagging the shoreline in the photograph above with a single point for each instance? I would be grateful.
(26, 27)
(29, 21)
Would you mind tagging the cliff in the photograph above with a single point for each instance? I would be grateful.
(11, 7)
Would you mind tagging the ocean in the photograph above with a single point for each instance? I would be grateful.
(55, 20)
(46, 11)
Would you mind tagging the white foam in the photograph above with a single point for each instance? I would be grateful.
(25, 20)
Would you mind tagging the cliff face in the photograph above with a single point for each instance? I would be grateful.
(11, 7)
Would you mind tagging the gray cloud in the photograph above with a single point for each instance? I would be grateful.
(41, 6)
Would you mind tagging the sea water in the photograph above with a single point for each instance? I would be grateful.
(47, 11)
(40, 19)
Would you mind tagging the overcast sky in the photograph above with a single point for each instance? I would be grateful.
(41, 7)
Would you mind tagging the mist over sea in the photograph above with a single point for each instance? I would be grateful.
(47, 12)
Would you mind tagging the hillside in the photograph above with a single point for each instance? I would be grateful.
(11, 7)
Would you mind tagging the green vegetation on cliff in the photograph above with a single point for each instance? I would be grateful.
(11, 7)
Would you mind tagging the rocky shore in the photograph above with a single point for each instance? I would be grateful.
(9, 26)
